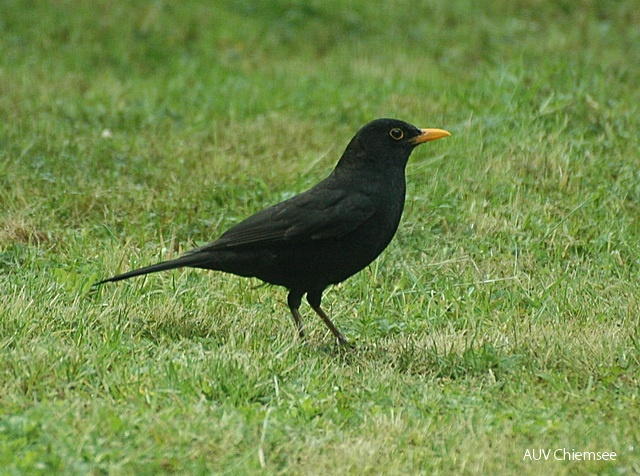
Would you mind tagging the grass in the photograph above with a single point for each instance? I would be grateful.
(502, 318)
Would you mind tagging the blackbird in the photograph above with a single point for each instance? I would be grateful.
(326, 234)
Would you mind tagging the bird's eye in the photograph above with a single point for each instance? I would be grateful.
(396, 133)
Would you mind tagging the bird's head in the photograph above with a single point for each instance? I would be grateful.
(387, 142)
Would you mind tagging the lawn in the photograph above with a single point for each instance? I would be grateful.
(502, 321)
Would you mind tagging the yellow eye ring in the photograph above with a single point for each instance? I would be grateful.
(396, 133)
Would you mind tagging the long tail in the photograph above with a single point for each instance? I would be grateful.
(186, 260)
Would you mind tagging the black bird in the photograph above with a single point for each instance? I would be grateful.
(326, 234)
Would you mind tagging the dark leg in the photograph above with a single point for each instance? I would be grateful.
(314, 298)
(294, 300)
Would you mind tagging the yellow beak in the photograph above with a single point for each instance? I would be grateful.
(429, 134)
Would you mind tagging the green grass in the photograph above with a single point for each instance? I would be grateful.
(504, 317)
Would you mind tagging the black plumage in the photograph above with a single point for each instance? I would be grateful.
(326, 234)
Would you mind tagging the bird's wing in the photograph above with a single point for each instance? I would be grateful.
(314, 215)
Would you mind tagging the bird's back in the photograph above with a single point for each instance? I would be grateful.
(317, 238)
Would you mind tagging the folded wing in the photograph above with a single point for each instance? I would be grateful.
(317, 214)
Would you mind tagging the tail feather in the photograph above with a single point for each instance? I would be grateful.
(183, 261)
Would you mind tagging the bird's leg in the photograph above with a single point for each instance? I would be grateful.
(314, 299)
(294, 301)
(334, 330)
